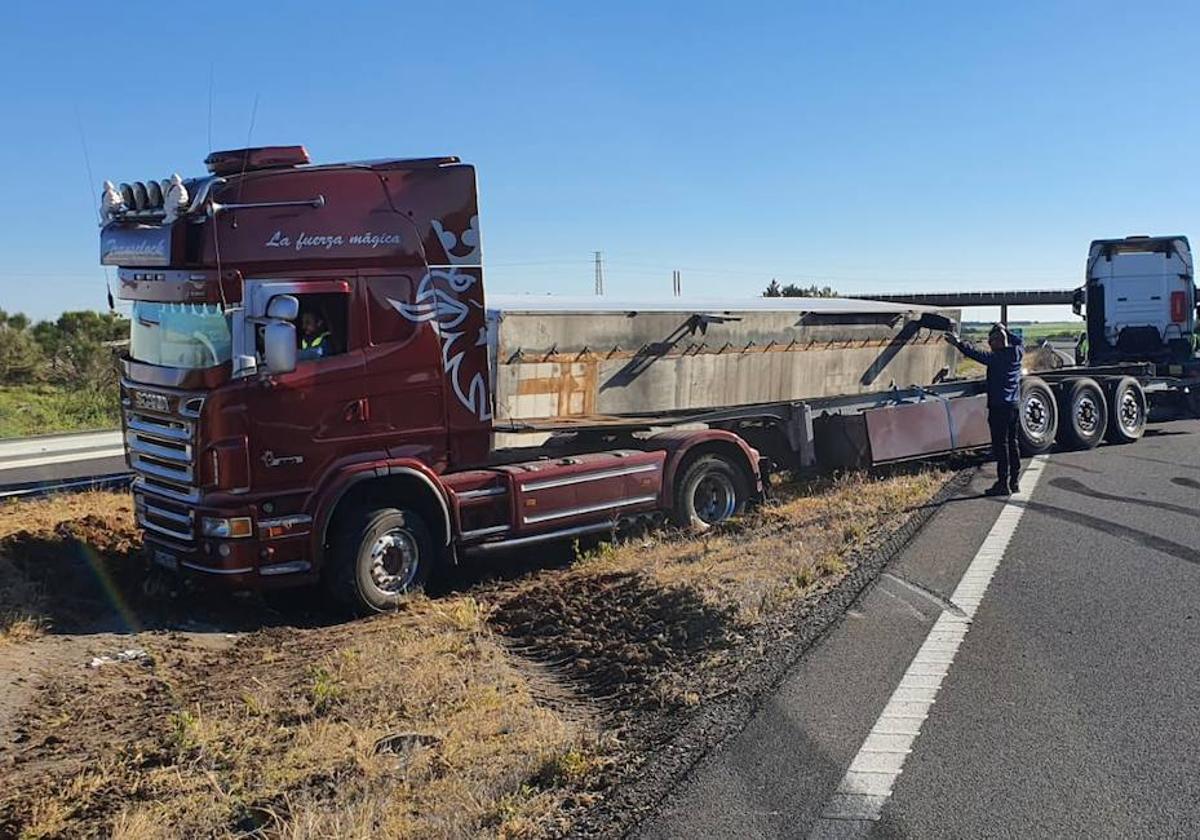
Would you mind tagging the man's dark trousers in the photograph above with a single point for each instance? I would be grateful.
(1002, 420)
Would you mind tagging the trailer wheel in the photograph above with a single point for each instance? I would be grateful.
(380, 556)
(1038, 424)
(710, 491)
(1084, 412)
(1126, 410)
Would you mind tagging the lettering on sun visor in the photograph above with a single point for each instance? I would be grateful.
(329, 241)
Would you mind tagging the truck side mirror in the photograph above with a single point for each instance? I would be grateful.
(283, 308)
(1077, 302)
(279, 345)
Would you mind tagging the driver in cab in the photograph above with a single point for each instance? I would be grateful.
(314, 336)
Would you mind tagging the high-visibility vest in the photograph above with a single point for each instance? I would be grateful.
(306, 344)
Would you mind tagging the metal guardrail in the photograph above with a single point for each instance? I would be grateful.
(43, 450)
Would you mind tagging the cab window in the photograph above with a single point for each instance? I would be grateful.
(321, 326)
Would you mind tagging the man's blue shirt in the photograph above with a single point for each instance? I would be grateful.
(1003, 370)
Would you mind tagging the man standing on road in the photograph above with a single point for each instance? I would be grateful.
(1003, 393)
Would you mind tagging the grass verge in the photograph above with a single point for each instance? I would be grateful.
(659, 621)
(27, 410)
(410, 725)
(505, 710)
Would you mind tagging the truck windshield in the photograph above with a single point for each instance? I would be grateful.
(179, 335)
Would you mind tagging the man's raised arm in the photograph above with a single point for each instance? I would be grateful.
(966, 349)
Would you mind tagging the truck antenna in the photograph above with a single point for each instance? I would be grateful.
(241, 184)
(246, 155)
(210, 98)
(87, 163)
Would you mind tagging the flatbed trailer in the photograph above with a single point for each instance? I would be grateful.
(900, 424)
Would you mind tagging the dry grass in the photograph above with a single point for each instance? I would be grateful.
(423, 723)
(44, 514)
(411, 725)
(797, 544)
(660, 621)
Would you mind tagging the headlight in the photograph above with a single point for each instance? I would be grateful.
(237, 526)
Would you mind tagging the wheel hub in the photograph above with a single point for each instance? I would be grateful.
(1036, 416)
(1130, 412)
(714, 498)
(394, 558)
(1086, 414)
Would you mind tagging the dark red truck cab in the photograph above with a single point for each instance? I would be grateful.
(372, 464)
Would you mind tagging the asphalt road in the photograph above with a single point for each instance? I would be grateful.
(1072, 707)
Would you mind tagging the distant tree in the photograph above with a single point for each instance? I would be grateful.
(21, 358)
(792, 290)
(77, 347)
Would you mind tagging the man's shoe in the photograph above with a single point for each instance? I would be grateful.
(996, 489)
(1014, 487)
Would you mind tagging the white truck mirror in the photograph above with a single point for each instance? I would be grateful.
(279, 345)
(283, 308)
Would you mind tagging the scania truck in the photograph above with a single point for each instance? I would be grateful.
(318, 389)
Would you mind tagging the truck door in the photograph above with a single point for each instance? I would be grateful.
(301, 422)
(404, 373)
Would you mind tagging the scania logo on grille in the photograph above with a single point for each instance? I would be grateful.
(151, 401)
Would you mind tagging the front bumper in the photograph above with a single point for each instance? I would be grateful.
(235, 564)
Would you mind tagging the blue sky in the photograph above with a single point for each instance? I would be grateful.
(881, 146)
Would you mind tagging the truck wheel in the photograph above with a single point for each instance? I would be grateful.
(710, 491)
(1038, 424)
(1084, 412)
(380, 556)
(1126, 410)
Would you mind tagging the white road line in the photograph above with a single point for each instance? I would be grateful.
(858, 802)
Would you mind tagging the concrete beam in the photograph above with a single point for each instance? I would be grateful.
(1025, 297)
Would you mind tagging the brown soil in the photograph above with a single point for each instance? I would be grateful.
(79, 571)
(622, 638)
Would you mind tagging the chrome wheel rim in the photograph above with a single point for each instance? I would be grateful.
(1087, 414)
(1129, 413)
(1035, 417)
(394, 558)
(714, 498)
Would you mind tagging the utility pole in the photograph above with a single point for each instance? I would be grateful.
(599, 273)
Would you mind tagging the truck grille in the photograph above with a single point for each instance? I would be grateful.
(162, 454)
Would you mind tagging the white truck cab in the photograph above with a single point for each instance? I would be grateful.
(1141, 300)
